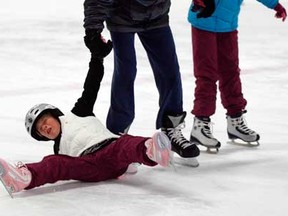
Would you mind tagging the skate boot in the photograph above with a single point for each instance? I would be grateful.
(202, 134)
(159, 149)
(172, 126)
(237, 129)
(14, 179)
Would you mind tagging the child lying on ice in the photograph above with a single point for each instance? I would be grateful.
(84, 149)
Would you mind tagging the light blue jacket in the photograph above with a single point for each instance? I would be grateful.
(225, 16)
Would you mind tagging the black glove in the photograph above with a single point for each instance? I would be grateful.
(96, 43)
(205, 8)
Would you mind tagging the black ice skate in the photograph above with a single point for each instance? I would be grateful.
(237, 129)
(201, 134)
(172, 126)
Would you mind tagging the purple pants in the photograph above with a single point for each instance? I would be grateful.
(215, 57)
(107, 163)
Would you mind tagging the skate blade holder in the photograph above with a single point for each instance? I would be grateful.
(189, 162)
(212, 150)
(244, 143)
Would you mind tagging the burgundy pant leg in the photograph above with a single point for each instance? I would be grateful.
(215, 58)
(229, 73)
(205, 61)
(107, 163)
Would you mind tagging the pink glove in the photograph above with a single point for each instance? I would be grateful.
(281, 12)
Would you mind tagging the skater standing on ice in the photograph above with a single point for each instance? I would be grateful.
(215, 58)
(150, 21)
(84, 149)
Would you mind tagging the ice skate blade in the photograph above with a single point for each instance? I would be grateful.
(190, 162)
(212, 150)
(243, 143)
(209, 148)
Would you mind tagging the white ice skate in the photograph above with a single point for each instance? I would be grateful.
(14, 179)
(159, 149)
(201, 134)
(237, 130)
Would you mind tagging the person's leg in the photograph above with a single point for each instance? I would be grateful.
(53, 168)
(149, 151)
(231, 89)
(121, 112)
(160, 48)
(108, 163)
(205, 58)
(229, 74)
(205, 47)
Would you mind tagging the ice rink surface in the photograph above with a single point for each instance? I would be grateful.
(43, 59)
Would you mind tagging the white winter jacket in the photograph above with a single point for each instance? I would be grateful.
(80, 133)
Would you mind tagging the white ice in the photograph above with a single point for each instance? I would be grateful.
(43, 59)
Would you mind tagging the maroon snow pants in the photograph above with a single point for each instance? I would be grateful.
(215, 57)
(109, 162)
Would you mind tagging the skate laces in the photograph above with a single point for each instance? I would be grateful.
(177, 137)
(242, 125)
(22, 168)
(20, 164)
(207, 128)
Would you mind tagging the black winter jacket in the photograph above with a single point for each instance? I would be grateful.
(126, 15)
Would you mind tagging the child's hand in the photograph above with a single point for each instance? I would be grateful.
(198, 5)
(205, 8)
(281, 12)
(97, 44)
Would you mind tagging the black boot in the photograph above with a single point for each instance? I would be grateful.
(171, 126)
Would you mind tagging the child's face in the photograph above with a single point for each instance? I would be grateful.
(48, 127)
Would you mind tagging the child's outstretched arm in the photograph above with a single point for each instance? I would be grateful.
(85, 104)
(95, 12)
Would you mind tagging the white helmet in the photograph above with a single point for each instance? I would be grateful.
(35, 113)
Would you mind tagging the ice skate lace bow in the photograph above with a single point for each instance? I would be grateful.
(19, 165)
(177, 137)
